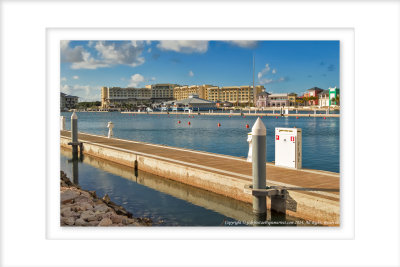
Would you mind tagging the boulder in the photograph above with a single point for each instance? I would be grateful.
(87, 214)
(68, 196)
(80, 222)
(105, 222)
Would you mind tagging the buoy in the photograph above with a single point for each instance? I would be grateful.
(193, 116)
(244, 116)
(261, 117)
(189, 122)
(179, 121)
(297, 117)
(276, 116)
(219, 124)
(324, 118)
(247, 126)
(229, 116)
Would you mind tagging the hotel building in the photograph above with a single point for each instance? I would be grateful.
(183, 92)
(234, 94)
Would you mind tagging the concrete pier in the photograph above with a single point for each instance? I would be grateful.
(240, 114)
(313, 195)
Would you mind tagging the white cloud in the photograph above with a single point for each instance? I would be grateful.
(108, 54)
(69, 54)
(152, 78)
(268, 81)
(149, 50)
(76, 77)
(243, 43)
(264, 71)
(183, 46)
(135, 80)
(128, 53)
(84, 92)
(191, 74)
(63, 79)
(273, 71)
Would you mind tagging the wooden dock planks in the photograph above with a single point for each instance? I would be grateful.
(228, 165)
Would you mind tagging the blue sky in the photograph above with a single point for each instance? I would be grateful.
(281, 66)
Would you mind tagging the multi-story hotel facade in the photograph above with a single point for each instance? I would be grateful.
(234, 94)
(157, 93)
(184, 92)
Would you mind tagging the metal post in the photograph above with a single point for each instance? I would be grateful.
(259, 133)
(62, 122)
(74, 134)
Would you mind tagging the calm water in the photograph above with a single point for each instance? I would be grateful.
(166, 202)
(320, 137)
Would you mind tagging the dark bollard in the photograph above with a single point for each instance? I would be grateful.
(74, 135)
(75, 171)
(259, 149)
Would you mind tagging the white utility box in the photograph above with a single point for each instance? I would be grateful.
(288, 152)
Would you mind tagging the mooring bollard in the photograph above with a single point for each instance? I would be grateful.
(62, 122)
(259, 149)
(249, 155)
(74, 134)
(110, 127)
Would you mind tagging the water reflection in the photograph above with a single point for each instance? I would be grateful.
(165, 201)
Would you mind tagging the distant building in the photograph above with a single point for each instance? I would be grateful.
(311, 96)
(183, 92)
(236, 95)
(162, 91)
(274, 100)
(323, 100)
(68, 102)
(117, 96)
(194, 103)
(334, 96)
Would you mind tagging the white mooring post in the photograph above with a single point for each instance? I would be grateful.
(259, 149)
(74, 134)
(249, 155)
(62, 123)
(110, 127)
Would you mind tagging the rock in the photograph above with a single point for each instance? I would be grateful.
(83, 199)
(86, 206)
(116, 219)
(93, 223)
(69, 213)
(101, 208)
(80, 222)
(87, 214)
(93, 193)
(92, 218)
(106, 199)
(68, 196)
(69, 220)
(105, 222)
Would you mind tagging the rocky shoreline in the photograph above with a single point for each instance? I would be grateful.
(79, 207)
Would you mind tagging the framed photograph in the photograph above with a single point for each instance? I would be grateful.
(232, 132)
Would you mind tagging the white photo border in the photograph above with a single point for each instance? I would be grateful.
(24, 232)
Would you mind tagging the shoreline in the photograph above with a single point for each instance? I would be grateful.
(79, 207)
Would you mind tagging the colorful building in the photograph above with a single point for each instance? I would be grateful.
(311, 96)
(334, 96)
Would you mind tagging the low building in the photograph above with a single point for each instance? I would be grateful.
(334, 96)
(194, 103)
(273, 100)
(68, 102)
(323, 99)
(311, 96)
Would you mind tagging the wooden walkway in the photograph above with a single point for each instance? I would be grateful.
(313, 182)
